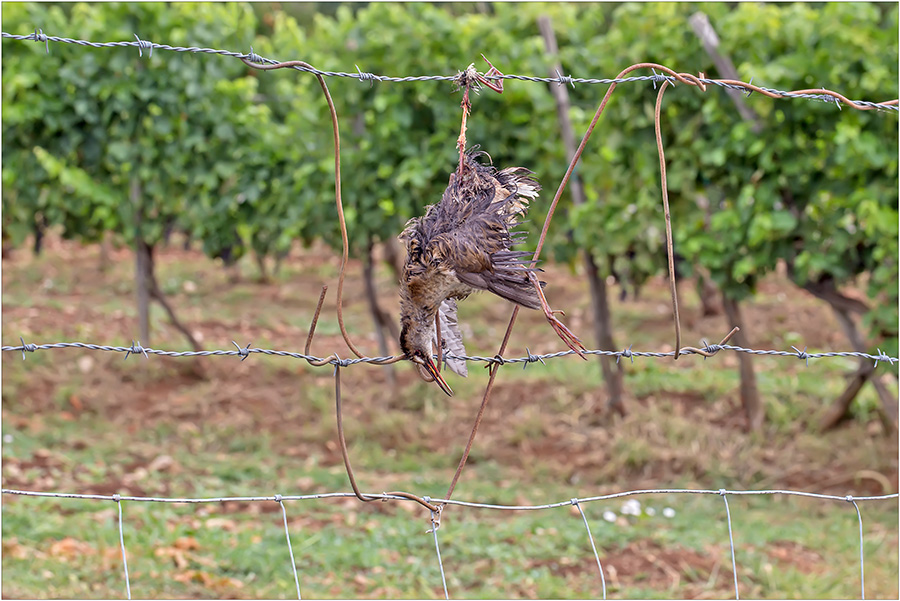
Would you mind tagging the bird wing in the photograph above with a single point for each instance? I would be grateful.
(506, 277)
(453, 340)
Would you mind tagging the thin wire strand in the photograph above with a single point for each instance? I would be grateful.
(118, 501)
(593, 547)
(862, 564)
(287, 535)
(393, 496)
(737, 594)
(435, 526)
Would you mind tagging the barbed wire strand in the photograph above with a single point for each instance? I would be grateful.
(118, 501)
(628, 353)
(737, 594)
(820, 95)
(287, 535)
(862, 561)
(593, 546)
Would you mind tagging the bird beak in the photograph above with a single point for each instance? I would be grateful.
(434, 373)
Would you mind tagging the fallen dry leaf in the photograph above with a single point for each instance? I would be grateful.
(69, 547)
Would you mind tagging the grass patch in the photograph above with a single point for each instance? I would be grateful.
(84, 422)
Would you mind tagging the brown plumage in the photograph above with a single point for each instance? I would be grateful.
(463, 244)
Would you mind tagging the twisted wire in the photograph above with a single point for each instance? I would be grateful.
(362, 76)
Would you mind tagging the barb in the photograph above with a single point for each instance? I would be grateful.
(820, 95)
(495, 360)
(287, 535)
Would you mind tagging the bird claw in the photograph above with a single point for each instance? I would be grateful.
(566, 335)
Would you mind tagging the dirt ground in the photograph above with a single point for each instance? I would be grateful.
(239, 400)
(584, 445)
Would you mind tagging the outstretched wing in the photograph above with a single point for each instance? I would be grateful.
(485, 205)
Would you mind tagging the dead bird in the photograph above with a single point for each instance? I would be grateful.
(463, 244)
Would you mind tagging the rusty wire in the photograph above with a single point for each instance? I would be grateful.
(301, 65)
(670, 250)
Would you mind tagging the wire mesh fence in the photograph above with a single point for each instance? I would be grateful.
(433, 505)
(436, 524)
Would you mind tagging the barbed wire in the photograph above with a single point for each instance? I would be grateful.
(706, 351)
(827, 96)
(436, 524)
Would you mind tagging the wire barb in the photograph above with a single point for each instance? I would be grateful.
(253, 57)
(31, 348)
(802, 354)
(370, 77)
(40, 37)
(564, 79)
(141, 44)
(242, 352)
(136, 349)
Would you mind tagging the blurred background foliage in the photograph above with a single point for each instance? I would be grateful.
(241, 160)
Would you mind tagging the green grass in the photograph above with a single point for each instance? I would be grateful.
(76, 421)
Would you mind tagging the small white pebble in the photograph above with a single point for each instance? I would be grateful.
(650, 511)
(609, 516)
(669, 512)
(631, 507)
(7, 438)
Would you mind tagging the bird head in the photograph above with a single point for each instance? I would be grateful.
(418, 350)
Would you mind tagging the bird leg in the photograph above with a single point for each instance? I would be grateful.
(467, 79)
(498, 86)
(440, 340)
(461, 141)
(561, 330)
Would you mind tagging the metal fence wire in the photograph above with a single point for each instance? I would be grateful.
(436, 525)
(821, 95)
(434, 506)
